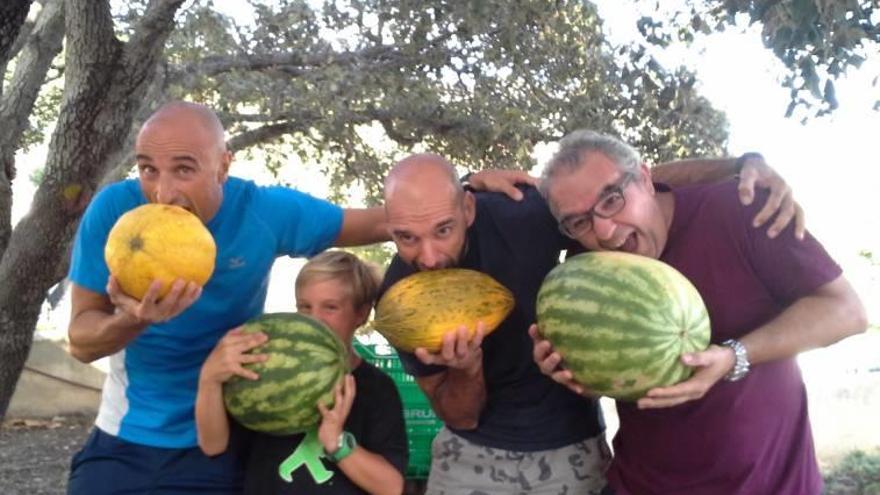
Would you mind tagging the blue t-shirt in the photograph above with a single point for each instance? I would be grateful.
(149, 394)
(517, 243)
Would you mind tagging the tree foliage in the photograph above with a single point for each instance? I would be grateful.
(354, 84)
(817, 40)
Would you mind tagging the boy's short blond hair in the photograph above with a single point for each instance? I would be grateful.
(361, 278)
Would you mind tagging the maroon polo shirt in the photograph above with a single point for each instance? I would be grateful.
(750, 437)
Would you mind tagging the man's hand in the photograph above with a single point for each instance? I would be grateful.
(503, 181)
(756, 172)
(333, 420)
(710, 366)
(230, 354)
(550, 363)
(458, 350)
(151, 309)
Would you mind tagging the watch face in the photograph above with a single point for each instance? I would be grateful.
(347, 440)
(346, 444)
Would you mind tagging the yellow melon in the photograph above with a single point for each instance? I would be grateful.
(417, 310)
(159, 242)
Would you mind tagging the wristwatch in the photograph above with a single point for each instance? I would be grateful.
(465, 181)
(741, 365)
(344, 447)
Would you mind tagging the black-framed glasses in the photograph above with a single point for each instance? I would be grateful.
(608, 205)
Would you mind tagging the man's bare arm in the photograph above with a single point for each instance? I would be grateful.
(362, 226)
(457, 396)
(101, 325)
(96, 329)
(829, 314)
(754, 171)
(695, 171)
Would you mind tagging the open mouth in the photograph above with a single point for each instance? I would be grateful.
(628, 244)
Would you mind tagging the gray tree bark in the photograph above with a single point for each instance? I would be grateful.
(105, 83)
(17, 102)
(12, 16)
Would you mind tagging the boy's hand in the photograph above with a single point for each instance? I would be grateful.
(230, 354)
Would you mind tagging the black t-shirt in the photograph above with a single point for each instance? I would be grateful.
(375, 420)
(517, 243)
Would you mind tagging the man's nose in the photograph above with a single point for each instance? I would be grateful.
(166, 191)
(429, 257)
(604, 227)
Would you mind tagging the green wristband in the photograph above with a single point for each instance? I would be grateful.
(344, 447)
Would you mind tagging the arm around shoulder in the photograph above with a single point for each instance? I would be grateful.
(361, 226)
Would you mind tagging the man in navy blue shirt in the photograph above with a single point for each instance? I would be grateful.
(509, 429)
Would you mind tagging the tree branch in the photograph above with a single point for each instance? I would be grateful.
(266, 134)
(379, 57)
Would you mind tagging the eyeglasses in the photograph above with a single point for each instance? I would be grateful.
(608, 205)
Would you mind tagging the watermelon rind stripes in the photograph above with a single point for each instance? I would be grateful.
(306, 360)
(621, 322)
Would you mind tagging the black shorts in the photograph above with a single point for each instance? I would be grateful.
(109, 465)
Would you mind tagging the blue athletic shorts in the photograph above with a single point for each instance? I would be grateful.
(109, 465)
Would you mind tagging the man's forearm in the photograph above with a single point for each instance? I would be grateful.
(834, 312)
(458, 397)
(695, 171)
(362, 226)
(94, 334)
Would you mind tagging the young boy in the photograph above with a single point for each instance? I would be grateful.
(338, 289)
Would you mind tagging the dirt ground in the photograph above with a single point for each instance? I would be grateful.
(35, 454)
(35, 457)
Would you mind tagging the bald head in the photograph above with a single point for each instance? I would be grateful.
(182, 158)
(194, 117)
(427, 211)
(422, 174)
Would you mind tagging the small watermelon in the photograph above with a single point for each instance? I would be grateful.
(417, 310)
(306, 360)
(621, 322)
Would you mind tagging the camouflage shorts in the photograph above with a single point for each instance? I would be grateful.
(460, 467)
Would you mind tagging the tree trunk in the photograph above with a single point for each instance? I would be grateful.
(18, 99)
(12, 16)
(105, 82)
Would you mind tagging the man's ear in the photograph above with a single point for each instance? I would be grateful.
(470, 207)
(225, 162)
(646, 177)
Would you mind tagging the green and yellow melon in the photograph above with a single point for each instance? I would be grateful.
(418, 310)
(621, 322)
(306, 361)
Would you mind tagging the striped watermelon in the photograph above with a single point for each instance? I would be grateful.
(417, 310)
(621, 321)
(306, 360)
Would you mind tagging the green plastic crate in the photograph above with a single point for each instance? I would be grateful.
(421, 422)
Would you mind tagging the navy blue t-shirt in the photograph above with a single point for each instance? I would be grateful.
(516, 243)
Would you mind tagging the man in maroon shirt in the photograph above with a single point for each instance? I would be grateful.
(739, 425)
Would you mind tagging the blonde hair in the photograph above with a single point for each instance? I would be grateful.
(362, 279)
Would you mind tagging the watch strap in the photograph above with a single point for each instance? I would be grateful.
(344, 447)
(741, 365)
